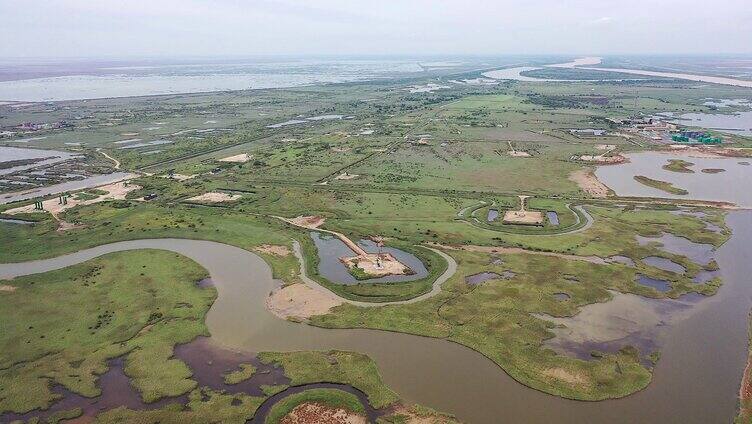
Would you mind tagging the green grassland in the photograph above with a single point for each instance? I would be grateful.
(410, 191)
(61, 327)
(137, 305)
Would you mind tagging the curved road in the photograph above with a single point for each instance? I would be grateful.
(588, 222)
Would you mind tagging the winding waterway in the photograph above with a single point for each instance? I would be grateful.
(695, 381)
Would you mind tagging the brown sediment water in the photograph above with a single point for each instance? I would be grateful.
(696, 380)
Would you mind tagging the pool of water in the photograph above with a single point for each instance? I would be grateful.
(698, 253)
(561, 297)
(88, 182)
(664, 264)
(330, 249)
(553, 218)
(739, 122)
(482, 277)
(715, 187)
(703, 344)
(41, 157)
(15, 221)
(660, 285)
(493, 215)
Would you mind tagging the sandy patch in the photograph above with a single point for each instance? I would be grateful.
(518, 154)
(605, 146)
(180, 177)
(214, 197)
(376, 265)
(523, 217)
(273, 249)
(129, 134)
(600, 159)
(7, 288)
(346, 176)
(115, 191)
(318, 413)
(310, 222)
(589, 183)
(300, 301)
(709, 152)
(241, 158)
(564, 375)
(340, 149)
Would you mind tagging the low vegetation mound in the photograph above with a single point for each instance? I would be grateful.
(660, 185)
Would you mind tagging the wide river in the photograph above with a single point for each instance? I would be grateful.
(696, 380)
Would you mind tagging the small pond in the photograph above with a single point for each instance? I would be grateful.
(664, 264)
(697, 252)
(660, 285)
(493, 215)
(553, 218)
(330, 249)
(15, 221)
(561, 297)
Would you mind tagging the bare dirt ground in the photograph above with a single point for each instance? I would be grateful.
(310, 222)
(318, 413)
(241, 158)
(588, 182)
(346, 176)
(115, 191)
(273, 249)
(523, 217)
(7, 288)
(518, 154)
(214, 197)
(564, 375)
(376, 265)
(180, 177)
(605, 146)
(517, 250)
(601, 159)
(300, 301)
(709, 152)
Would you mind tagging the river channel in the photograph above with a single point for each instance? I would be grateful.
(695, 381)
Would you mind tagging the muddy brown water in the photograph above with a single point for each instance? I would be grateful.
(696, 380)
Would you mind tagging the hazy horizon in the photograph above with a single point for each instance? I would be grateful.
(140, 29)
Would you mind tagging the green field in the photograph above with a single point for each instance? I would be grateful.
(417, 169)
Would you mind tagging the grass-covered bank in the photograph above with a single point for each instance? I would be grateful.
(660, 185)
(61, 327)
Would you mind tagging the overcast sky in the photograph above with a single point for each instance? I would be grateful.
(93, 28)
